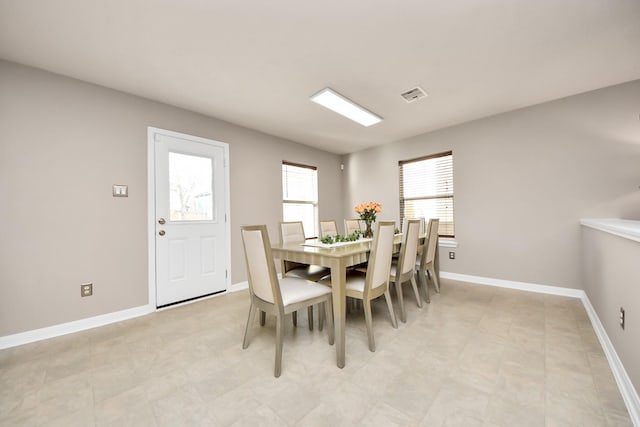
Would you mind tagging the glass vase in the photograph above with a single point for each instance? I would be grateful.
(368, 232)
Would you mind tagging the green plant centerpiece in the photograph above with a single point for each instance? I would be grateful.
(367, 212)
(338, 238)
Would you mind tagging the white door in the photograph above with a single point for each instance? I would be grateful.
(190, 218)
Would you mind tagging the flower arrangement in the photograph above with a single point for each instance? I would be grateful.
(367, 212)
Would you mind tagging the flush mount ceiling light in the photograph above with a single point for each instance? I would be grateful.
(343, 106)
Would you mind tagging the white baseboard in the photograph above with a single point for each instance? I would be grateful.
(93, 322)
(74, 326)
(523, 286)
(627, 390)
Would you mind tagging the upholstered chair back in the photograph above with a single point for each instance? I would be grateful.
(292, 232)
(381, 252)
(260, 267)
(409, 249)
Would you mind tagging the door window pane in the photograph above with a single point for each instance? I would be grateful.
(191, 187)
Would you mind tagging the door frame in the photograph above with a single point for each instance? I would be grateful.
(151, 204)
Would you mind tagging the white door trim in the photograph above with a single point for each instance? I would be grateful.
(151, 204)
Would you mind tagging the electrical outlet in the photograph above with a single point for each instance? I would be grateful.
(452, 255)
(622, 317)
(86, 289)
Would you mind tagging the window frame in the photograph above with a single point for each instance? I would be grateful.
(434, 196)
(313, 203)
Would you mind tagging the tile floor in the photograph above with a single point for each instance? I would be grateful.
(476, 356)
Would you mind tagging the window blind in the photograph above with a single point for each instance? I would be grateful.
(300, 195)
(299, 183)
(426, 190)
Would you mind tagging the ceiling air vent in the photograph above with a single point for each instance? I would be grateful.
(414, 94)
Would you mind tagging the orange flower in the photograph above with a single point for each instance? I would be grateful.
(368, 210)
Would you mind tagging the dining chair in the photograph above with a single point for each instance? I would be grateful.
(422, 233)
(328, 228)
(422, 224)
(293, 232)
(375, 282)
(404, 269)
(351, 226)
(427, 261)
(422, 250)
(277, 297)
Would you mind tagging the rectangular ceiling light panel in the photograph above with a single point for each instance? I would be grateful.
(343, 106)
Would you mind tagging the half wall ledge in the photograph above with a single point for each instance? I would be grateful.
(627, 228)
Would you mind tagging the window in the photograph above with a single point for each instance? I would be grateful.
(300, 195)
(426, 190)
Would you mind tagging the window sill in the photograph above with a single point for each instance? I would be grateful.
(447, 243)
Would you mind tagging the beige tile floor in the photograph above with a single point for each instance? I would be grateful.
(475, 356)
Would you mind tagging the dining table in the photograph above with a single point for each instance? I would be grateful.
(338, 258)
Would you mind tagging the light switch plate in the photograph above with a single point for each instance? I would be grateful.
(120, 190)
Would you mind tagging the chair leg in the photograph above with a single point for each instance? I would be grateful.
(310, 315)
(434, 277)
(387, 297)
(352, 304)
(415, 291)
(403, 315)
(294, 318)
(279, 328)
(328, 312)
(321, 316)
(263, 318)
(369, 321)
(422, 277)
(252, 316)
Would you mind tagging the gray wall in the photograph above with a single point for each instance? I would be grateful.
(522, 181)
(64, 144)
(611, 270)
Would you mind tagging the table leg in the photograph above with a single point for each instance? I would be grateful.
(338, 280)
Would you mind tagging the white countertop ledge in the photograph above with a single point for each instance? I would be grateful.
(627, 228)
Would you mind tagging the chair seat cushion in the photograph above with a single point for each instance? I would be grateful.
(394, 270)
(295, 290)
(362, 267)
(309, 272)
(355, 281)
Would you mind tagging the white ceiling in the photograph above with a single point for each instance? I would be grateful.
(256, 63)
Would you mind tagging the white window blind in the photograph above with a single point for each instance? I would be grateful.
(426, 190)
(300, 195)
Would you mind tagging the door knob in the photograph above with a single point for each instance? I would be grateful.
(161, 221)
(161, 232)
